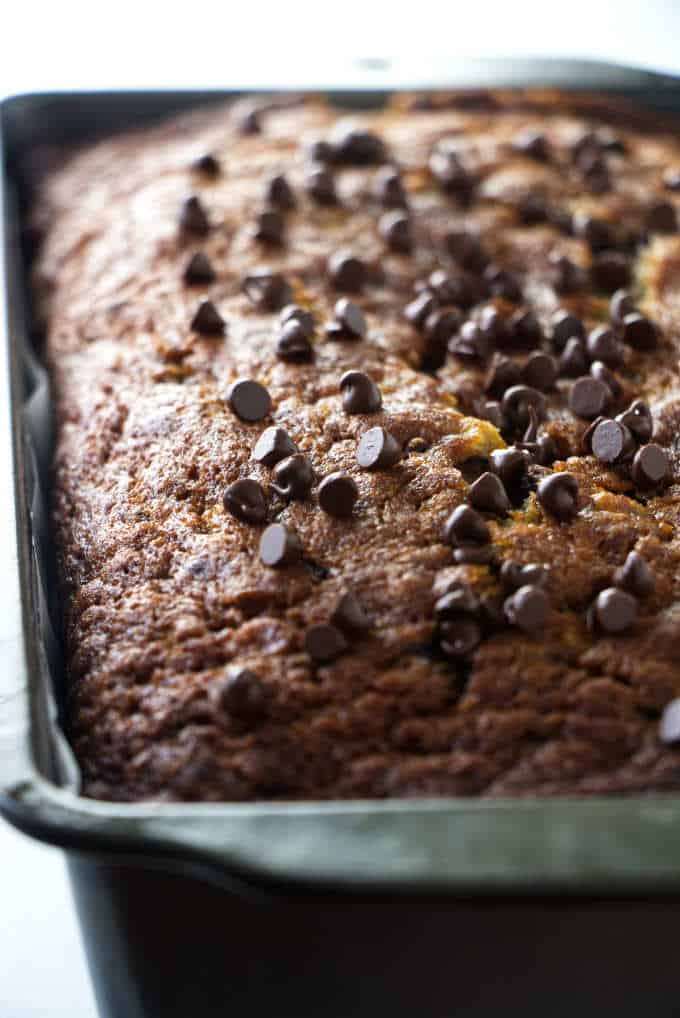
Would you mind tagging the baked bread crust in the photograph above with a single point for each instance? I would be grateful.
(166, 599)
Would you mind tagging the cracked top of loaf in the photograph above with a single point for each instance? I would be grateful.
(453, 570)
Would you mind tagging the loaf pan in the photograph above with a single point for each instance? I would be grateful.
(495, 897)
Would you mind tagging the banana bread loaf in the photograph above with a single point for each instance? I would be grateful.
(366, 477)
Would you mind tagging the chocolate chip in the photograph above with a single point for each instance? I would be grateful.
(357, 147)
(639, 331)
(269, 226)
(455, 602)
(503, 373)
(349, 615)
(614, 610)
(447, 169)
(279, 546)
(603, 374)
(514, 575)
(540, 371)
(564, 325)
(388, 188)
(465, 526)
(490, 410)
(669, 725)
(193, 218)
(466, 248)
(588, 397)
(610, 271)
(268, 290)
(566, 276)
(502, 283)
(249, 123)
(492, 324)
(324, 643)
(207, 165)
(347, 272)
(516, 402)
(573, 360)
(459, 637)
(351, 319)
(293, 477)
(320, 151)
(279, 193)
(448, 288)
(471, 342)
(377, 450)
(527, 608)
(661, 218)
(245, 500)
(473, 555)
(510, 464)
(595, 232)
(533, 144)
(360, 393)
(241, 695)
(635, 575)
(650, 466)
(395, 229)
(419, 310)
(338, 494)
(207, 320)
(620, 305)
(320, 185)
(596, 175)
(671, 180)
(292, 344)
(611, 441)
(558, 494)
(273, 445)
(441, 326)
(532, 209)
(304, 318)
(199, 270)
(602, 345)
(488, 494)
(525, 328)
(249, 400)
(638, 419)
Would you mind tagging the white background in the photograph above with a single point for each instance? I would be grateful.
(64, 45)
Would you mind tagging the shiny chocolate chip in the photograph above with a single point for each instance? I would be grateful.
(249, 400)
(347, 272)
(395, 229)
(473, 555)
(509, 464)
(558, 494)
(447, 169)
(351, 319)
(603, 374)
(533, 144)
(350, 616)
(638, 419)
(573, 360)
(564, 325)
(614, 610)
(292, 344)
(304, 318)
(267, 289)
(540, 371)
(199, 270)
(320, 185)
(279, 546)
(650, 466)
(207, 165)
(242, 695)
(525, 328)
(472, 342)
(514, 575)
(360, 394)
(611, 442)
(356, 147)
(465, 526)
(269, 226)
(595, 232)
(639, 331)
(603, 345)
(245, 500)
(338, 494)
(635, 575)
(488, 494)
(459, 637)
(207, 320)
(502, 283)
(588, 397)
(293, 477)
(620, 305)
(420, 309)
(527, 608)
(610, 270)
(503, 373)
(388, 188)
(378, 450)
(454, 602)
(516, 402)
(273, 445)
(566, 276)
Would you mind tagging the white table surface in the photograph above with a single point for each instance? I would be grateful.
(131, 45)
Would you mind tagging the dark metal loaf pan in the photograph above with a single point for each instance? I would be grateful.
(539, 907)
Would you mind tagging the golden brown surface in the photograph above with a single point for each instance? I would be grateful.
(163, 591)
